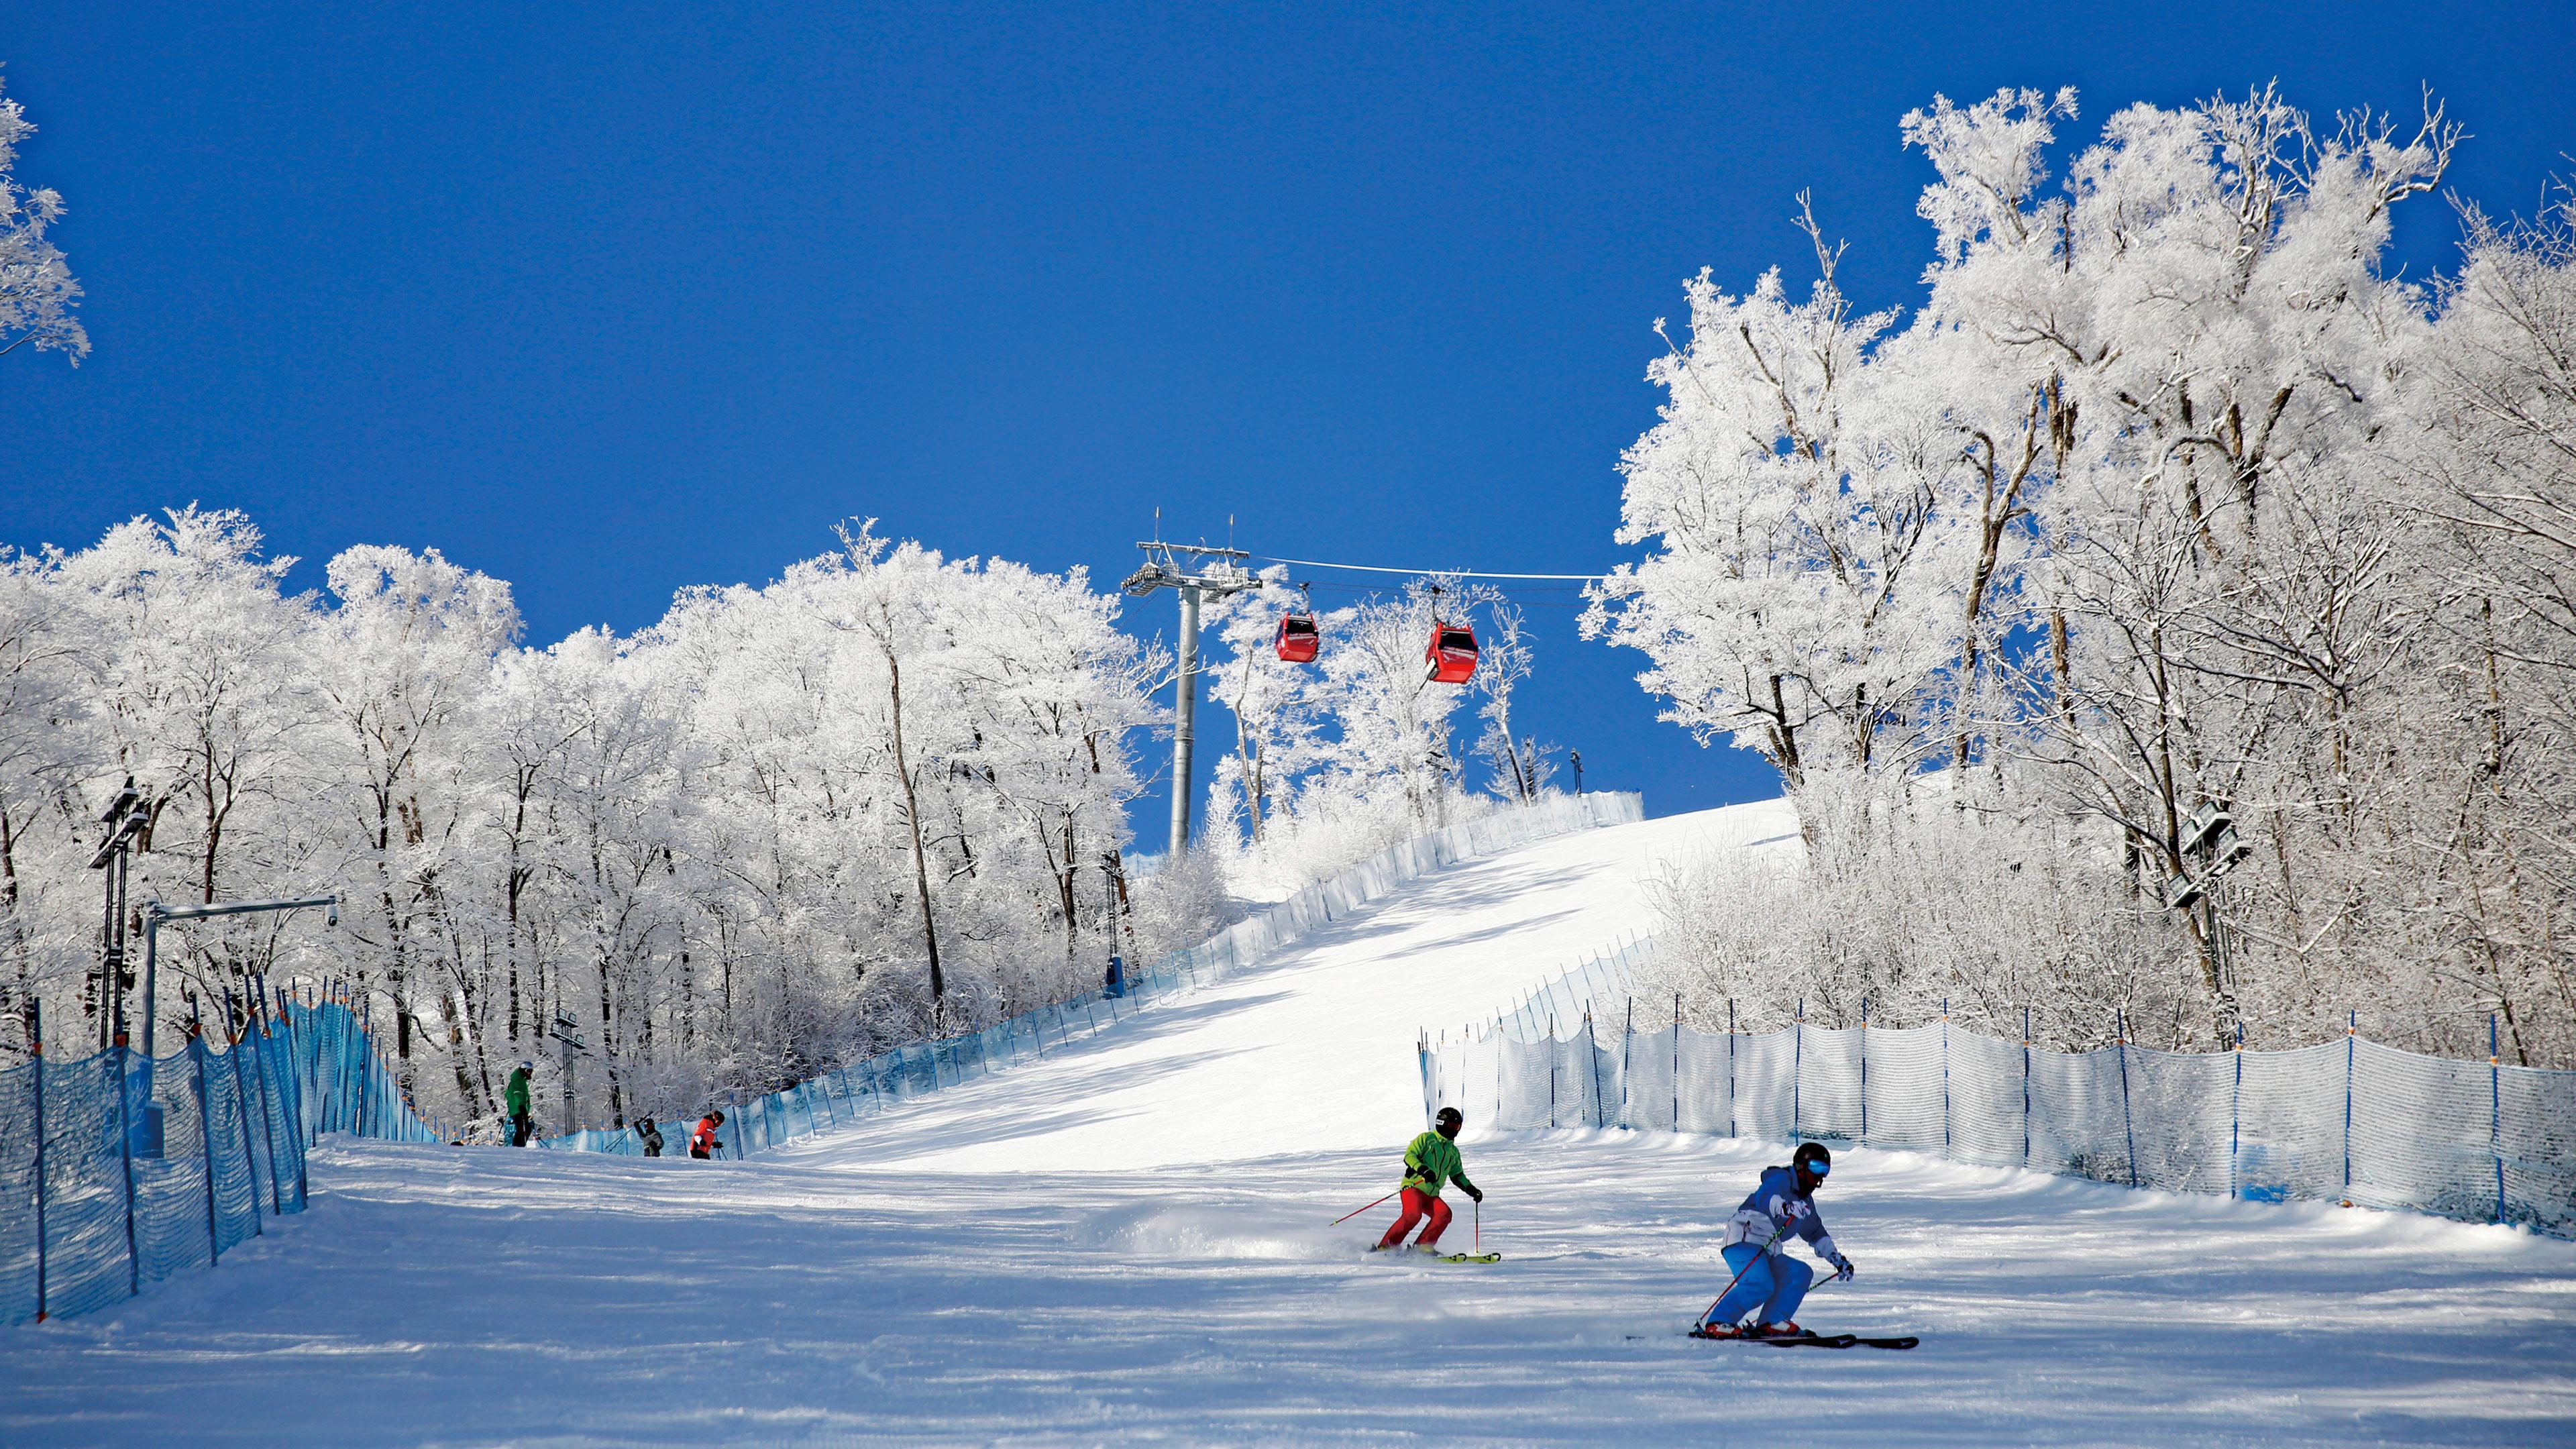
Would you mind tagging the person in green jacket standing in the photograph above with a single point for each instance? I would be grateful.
(514, 1100)
(1430, 1163)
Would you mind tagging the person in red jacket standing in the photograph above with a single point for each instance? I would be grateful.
(703, 1143)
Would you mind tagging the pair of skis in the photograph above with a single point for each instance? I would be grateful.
(1439, 1257)
(1810, 1340)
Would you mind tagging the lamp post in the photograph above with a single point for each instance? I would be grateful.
(1162, 569)
(126, 818)
(156, 914)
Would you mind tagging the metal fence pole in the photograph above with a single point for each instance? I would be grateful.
(36, 1030)
(2025, 1087)
(1592, 1049)
(1864, 1069)
(2495, 1107)
(1730, 1066)
(205, 1140)
(267, 1127)
(1945, 1076)
(125, 1155)
(241, 1101)
(2351, 1026)
(2236, 1113)
(1798, 1072)
(2129, 1133)
(1551, 1071)
(1627, 1061)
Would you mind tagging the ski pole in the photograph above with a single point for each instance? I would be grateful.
(1739, 1275)
(1480, 1225)
(1355, 1212)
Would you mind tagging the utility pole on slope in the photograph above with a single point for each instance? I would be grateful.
(1162, 569)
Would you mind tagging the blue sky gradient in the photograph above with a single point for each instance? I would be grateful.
(609, 301)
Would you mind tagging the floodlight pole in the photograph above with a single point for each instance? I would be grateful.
(1162, 570)
(155, 914)
(126, 818)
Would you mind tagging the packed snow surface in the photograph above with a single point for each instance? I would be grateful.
(1126, 1243)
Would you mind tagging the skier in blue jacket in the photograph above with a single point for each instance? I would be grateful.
(1766, 1278)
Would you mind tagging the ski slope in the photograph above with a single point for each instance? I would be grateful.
(1125, 1243)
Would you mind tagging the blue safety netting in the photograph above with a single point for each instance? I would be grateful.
(118, 1170)
(2346, 1121)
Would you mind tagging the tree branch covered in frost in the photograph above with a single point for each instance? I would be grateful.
(37, 292)
(2165, 494)
(728, 847)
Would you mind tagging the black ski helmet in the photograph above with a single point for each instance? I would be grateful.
(1810, 1154)
(1449, 1117)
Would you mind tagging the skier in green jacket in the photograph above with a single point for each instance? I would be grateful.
(1429, 1163)
(514, 1100)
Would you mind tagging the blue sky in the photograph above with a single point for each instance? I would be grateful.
(608, 301)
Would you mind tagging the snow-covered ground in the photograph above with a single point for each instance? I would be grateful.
(1126, 1243)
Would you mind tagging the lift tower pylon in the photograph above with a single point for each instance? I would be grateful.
(1212, 572)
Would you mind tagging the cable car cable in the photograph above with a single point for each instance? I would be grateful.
(1432, 573)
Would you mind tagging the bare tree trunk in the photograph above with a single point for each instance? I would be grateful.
(920, 855)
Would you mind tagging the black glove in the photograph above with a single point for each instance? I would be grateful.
(1842, 1268)
(1473, 1191)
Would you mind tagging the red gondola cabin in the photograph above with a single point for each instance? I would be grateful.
(1298, 638)
(1450, 657)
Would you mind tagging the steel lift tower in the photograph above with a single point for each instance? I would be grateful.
(1211, 572)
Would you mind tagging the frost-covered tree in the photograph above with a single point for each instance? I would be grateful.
(2167, 493)
(37, 291)
(705, 846)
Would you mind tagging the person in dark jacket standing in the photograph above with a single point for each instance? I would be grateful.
(514, 1100)
(703, 1143)
(650, 1135)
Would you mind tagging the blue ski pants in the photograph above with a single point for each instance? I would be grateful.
(1774, 1283)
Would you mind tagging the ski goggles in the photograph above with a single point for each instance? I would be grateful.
(1818, 1168)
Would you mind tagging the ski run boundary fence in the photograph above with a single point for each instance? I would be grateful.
(117, 1170)
(865, 1088)
(2346, 1121)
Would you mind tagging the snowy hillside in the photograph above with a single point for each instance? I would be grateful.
(1126, 1242)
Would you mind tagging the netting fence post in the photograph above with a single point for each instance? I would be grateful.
(1730, 1066)
(1551, 1071)
(1945, 1076)
(1798, 1072)
(2129, 1133)
(267, 1125)
(2025, 1087)
(1592, 1050)
(2495, 1120)
(1864, 1069)
(2351, 1026)
(125, 1156)
(205, 1138)
(1627, 1050)
(241, 1098)
(2236, 1112)
(36, 1034)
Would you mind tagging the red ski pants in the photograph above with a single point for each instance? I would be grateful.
(1416, 1206)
